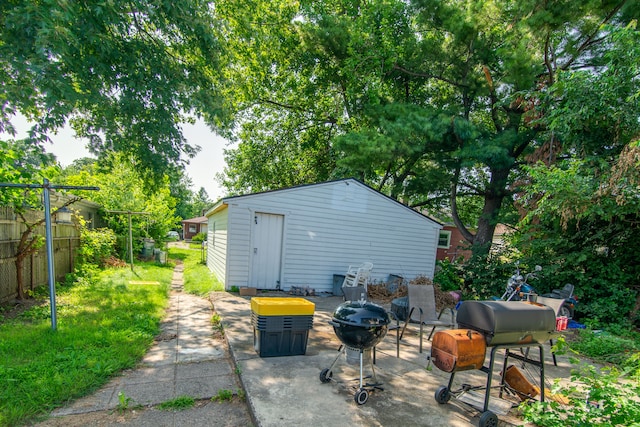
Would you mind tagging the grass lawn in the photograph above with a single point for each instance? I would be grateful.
(198, 280)
(104, 325)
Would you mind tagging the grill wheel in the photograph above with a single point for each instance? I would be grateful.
(325, 375)
(443, 395)
(488, 419)
(361, 396)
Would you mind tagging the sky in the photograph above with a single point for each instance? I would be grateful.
(201, 169)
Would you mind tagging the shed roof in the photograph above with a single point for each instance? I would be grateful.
(197, 220)
(222, 203)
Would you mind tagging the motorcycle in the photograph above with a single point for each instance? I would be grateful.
(518, 289)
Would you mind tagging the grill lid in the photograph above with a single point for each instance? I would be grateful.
(361, 313)
(360, 324)
(508, 322)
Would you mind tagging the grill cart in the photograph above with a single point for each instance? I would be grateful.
(500, 325)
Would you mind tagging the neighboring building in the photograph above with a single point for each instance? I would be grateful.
(89, 211)
(302, 236)
(193, 226)
(451, 244)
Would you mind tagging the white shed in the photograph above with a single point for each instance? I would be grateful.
(302, 236)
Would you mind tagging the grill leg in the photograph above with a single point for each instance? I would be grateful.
(373, 374)
(504, 368)
(341, 350)
(451, 380)
(361, 360)
(542, 372)
(489, 375)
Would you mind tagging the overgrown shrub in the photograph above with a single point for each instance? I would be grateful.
(597, 255)
(486, 276)
(199, 238)
(605, 397)
(448, 275)
(96, 246)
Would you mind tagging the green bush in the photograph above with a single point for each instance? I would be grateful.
(96, 246)
(448, 275)
(200, 237)
(605, 397)
(486, 276)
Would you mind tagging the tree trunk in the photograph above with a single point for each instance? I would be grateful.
(496, 192)
(19, 276)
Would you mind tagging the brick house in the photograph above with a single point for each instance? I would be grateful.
(193, 226)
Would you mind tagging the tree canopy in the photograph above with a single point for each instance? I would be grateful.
(433, 102)
(479, 111)
(121, 189)
(122, 74)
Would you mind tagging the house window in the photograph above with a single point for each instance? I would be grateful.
(192, 228)
(444, 239)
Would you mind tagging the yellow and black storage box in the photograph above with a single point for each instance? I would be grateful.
(281, 325)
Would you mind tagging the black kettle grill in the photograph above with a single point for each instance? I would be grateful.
(360, 326)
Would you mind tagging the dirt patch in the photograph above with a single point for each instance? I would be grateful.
(15, 308)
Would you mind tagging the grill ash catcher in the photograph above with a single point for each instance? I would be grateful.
(500, 325)
(360, 326)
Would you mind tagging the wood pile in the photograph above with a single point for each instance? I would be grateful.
(387, 292)
(384, 293)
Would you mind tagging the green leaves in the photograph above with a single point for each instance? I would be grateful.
(23, 163)
(122, 189)
(124, 73)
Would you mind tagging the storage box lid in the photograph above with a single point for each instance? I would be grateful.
(265, 306)
(508, 322)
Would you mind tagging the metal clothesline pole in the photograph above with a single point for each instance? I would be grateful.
(46, 186)
(129, 213)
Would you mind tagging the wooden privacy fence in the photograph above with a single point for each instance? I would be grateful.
(66, 241)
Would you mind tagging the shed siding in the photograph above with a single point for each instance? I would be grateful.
(239, 246)
(217, 244)
(330, 226)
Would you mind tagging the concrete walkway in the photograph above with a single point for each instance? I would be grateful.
(186, 360)
(189, 360)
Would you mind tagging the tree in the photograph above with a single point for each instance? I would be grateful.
(180, 187)
(123, 74)
(582, 216)
(121, 189)
(23, 163)
(201, 202)
(431, 102)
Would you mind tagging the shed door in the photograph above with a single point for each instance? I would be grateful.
(266, 255)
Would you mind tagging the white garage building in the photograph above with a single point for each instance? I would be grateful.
(302, 236)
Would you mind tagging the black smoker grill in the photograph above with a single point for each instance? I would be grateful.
(360, 326)
(504, 325)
